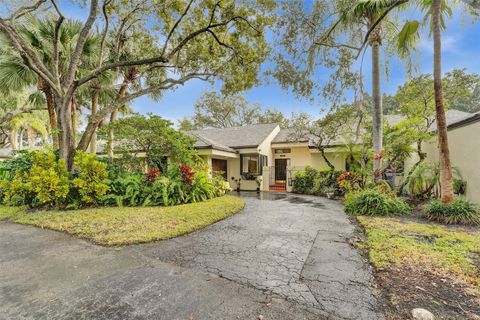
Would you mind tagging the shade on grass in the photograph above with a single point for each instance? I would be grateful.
(128, 225)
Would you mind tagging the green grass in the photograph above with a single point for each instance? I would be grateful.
(126, 225)
(392, 242)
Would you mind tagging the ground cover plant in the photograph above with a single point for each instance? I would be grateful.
(424, 264)
(122, 226)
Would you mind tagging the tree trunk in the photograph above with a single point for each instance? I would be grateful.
(66, 135)
(31, 137)
(113, 117)
(377, 113)
(446, 181)
(20, 139)
(322, 151)
(93, 142)
(52, 117)
(12, 137)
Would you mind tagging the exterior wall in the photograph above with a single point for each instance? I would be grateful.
(336, 158)
(265, 147)
(464, 155)
(299, 156)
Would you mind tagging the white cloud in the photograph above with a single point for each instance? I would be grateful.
(449, 44)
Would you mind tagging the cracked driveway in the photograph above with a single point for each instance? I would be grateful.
(282, 257)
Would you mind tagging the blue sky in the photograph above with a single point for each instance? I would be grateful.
(461, 49)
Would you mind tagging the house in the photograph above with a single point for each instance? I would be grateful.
(269, 153)
(464, 144)
(262, 153)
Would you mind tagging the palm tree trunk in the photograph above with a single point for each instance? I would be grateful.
(51, 113)
(446, 181)
(377, 111)
(113, 115)
(20, 139)
(94, 107)
(31, 137)
(12, 136)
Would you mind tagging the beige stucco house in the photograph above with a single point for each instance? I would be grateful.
(264, 151)
(464, 144)
(269, 153)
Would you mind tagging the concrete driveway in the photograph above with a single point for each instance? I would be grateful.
(282, 257)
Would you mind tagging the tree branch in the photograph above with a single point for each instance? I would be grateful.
(25, 10)
(77, 54)
(175, 26)
(56, 57)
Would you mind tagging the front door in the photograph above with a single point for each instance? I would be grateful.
(280, 170)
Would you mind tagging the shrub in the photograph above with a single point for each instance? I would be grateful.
(312, 181)
(21, 162)
(459, 211)
(186, 172)
(125, 190)
(349, 181)
(152, 174)
(45, 184)
(374, 202)
(90, 182)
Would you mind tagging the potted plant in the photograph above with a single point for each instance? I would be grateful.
(238, 183)
(330, 192)
(258, 181)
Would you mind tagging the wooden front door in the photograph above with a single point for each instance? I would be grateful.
(281, 170)
(219, 166)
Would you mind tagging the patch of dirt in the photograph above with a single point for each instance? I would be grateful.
(405, 288)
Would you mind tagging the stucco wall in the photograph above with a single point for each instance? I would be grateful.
(299, 157)
(336, 158)
(464, 144)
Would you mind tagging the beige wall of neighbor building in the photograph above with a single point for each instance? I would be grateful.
(464, 144)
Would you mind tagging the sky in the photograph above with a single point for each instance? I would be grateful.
(460, 49)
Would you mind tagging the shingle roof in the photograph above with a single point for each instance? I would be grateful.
(234, 137)
(471, 118)
(452, 116)
(287, 135)
(204, 143)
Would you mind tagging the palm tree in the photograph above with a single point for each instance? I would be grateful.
(373, 15)
(15, 75)
(446, 180)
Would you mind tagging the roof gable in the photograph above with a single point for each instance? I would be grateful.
(235, 137)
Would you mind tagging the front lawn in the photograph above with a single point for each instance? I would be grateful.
(128, 225)
(426, 265)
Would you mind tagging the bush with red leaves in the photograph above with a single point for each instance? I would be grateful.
(152, 174)
(186, 173)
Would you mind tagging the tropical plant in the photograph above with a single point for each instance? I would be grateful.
(458, 211)
(349, 181)
(421, 181)
(374, 202)
(90, 178)
(45, 184)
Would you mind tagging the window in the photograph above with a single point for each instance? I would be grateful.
(252, 163)
(277, 151)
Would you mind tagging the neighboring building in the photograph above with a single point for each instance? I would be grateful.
(464, 144)
(264, 151)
